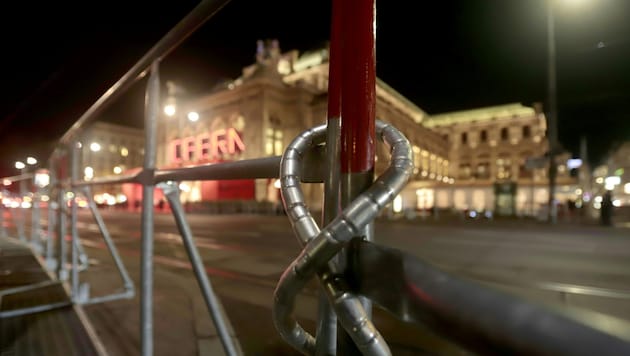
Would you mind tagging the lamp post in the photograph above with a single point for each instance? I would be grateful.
(552, 116)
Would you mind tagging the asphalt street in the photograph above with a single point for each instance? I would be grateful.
(244, 255)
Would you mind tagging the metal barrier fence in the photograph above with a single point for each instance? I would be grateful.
(340, 154)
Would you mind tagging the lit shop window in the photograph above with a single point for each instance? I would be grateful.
(273, 142)
(417, 159)
(464, 171)
(88, 173)
(504, 167)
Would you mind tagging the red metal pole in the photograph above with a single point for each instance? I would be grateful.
(358, 87)
(358, 111)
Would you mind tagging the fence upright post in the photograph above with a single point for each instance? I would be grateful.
(3, 230)
(52, 187)
(358, 114)
(62, 271)
(326, 341)
(152, 102)
(35, 215)
(74, 252)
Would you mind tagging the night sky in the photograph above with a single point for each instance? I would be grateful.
(57, 59)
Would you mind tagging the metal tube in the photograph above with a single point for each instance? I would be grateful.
(26, 288)
(84, 262)
(128, 283)
(32, 310)
(62, 272)
(51, 216)
(125, 178)
(74, 174)
(246, 169)
(152, 102)
(21, 215)
(128, 294)
(358, 106)
(35, 223)
(197, 17)
(358, 117)
(326, 341)
(327, 242)
(18, 218)
(212, 302)
(480, 318)
(3, 230)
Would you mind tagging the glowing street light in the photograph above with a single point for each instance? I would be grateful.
(95, 147)
(193, 116)
(31, 160)
(170, 110)
(19, 165)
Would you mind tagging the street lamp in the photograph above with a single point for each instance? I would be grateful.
(193, 116)
(170, 110)
(20, 165)
(552, 115)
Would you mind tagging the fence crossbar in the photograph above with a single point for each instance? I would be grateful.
(186, 27)
(477, 317)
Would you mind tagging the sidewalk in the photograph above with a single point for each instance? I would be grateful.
(54, 326)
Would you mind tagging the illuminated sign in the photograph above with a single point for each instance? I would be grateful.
(207, 146)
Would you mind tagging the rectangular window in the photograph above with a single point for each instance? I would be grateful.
(205, 146)
(269, 142)
(277, 144)
(464, 171)
(190, 149)
(483, 170)
(177, 150)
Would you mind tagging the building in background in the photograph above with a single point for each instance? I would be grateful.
(498, 160)
(487, 159)
(614, 176)
(109, 149)
(259, 113)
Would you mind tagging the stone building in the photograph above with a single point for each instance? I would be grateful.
(498, 162)
(109, 149)
(257, 114)
(482, 159)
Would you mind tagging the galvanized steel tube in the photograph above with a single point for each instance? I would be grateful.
(326, 335)
(62, 272)
(327, 243)
(171, 191)
(51, 215)
(74, 173)
(152, 102)
(128, 283)
(187, 26)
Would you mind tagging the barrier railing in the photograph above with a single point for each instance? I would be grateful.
(477, 317)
